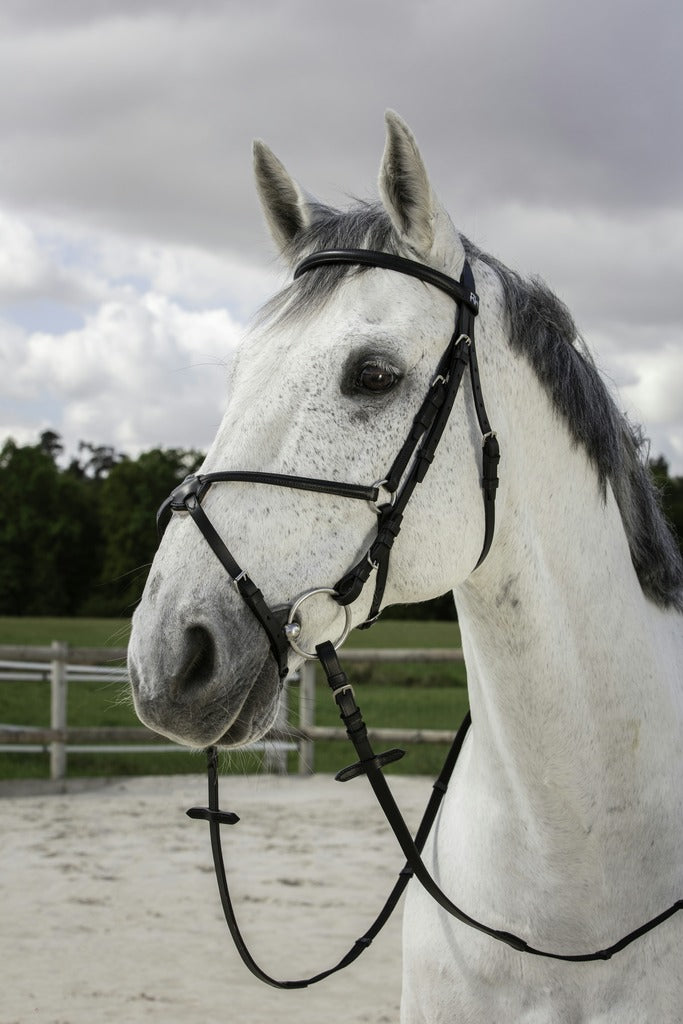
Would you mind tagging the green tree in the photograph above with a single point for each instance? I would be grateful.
(101, 460)
(51, 443)
(671, 491)
(48, 534)
(128, 499)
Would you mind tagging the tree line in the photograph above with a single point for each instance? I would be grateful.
(78, 539)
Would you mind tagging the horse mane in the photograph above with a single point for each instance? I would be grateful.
(543, 330)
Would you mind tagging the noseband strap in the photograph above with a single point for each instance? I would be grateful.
(187, 497)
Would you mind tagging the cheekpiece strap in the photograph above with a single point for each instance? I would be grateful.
(417, 452)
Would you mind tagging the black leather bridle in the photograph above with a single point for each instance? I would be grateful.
(407, 470)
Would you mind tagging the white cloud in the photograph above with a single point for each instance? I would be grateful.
(141, 372)
(23, 266)
(190, 274)
(35, 265)
(147, 366)
(150, 329)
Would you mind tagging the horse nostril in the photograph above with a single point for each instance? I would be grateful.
(199, 658)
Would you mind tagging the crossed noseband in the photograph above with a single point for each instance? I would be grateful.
(388, 496)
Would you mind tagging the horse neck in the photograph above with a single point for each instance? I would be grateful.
(571, 671)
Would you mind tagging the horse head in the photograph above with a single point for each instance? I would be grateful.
(325, 386)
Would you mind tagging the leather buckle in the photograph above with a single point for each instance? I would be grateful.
(191, 487)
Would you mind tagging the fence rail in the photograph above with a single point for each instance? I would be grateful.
(62, 664)
(77, 655)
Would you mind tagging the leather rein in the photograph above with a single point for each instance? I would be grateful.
(282, 627)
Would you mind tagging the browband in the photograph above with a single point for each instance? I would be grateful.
(387, 261)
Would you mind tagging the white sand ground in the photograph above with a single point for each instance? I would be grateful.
(109, 910)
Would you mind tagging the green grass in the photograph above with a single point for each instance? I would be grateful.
(400, 695)
(75, 632)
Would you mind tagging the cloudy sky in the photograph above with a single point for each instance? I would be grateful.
(132, 248)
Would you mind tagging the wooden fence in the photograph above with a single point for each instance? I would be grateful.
(62, 664)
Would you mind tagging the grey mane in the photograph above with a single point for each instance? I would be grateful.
(542, 329)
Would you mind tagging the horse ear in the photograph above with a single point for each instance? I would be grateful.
(284, 204)
(415, 212)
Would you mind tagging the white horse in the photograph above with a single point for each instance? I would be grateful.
(564, 819)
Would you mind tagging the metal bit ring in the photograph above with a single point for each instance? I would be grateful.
(292, 633)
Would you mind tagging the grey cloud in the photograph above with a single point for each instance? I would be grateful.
(143, 114)
(136, 118)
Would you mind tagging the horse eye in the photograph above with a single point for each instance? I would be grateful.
(376, 378)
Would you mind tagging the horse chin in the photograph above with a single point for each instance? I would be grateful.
(233, 710)
(259, 711)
